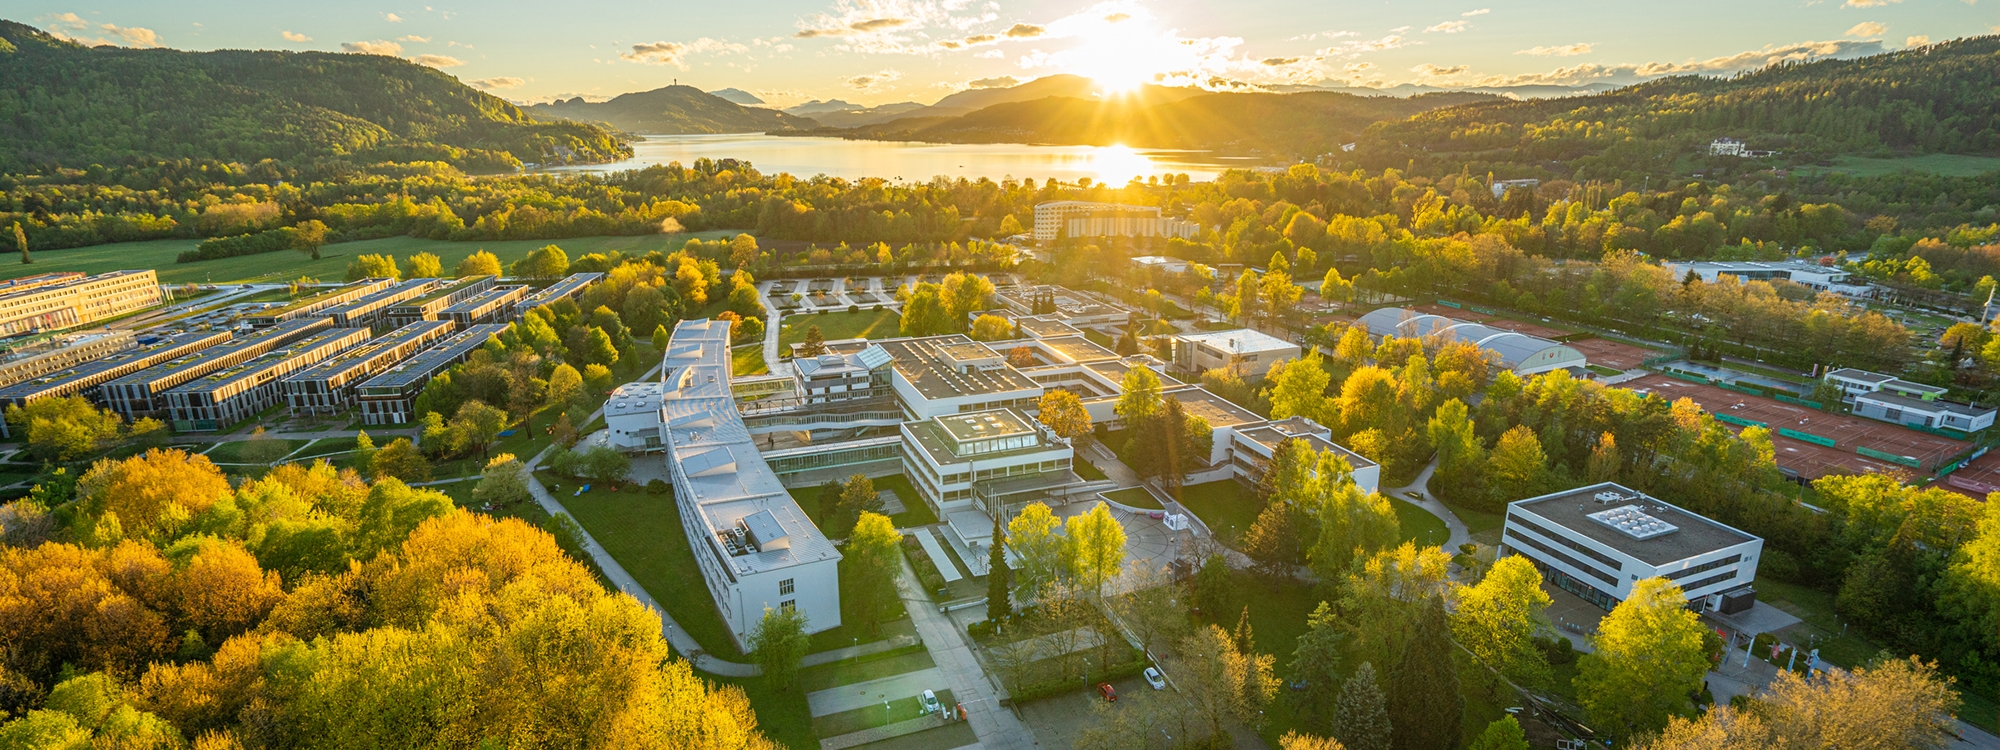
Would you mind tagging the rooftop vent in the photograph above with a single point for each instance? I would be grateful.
(1636, 523)
(1608, 497)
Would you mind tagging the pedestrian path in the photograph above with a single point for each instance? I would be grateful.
(852, 652)
(874, 692)
(996, 727)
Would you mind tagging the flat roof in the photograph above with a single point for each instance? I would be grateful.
(446, 291)
(1116, 369)
(1078, 348)
(1217, 410)
(1046, 327)
(1918, 404)
(568, 286)
(361, 354)
(922, 363)
(412, 286)
(371, 285)
(424, 364)
(489, 296)
(1863, 376)
(641, 397)
(1694, 534)
(261, 362)
(1272, 434)
(936, 436)
(287, 329)
(1240, 340)
(94, 368)
(980, 425)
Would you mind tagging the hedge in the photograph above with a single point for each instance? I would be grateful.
(271, 241)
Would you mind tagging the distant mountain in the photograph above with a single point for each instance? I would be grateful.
(817, 107)
(1303, 123)
(737, 96)
(1540, 91)
(673, 110)
(63, 104)
(869, 116)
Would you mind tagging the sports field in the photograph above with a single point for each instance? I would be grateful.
(332, 264)
(1616, 355)
(1809, 460)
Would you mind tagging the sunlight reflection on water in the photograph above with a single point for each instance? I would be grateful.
(914, 162)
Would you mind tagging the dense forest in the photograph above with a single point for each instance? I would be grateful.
(1937, 98)
(66, 105)
(671, 110)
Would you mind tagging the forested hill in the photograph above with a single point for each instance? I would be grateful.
(62, 104)
(1940, 98)
(673, 110)
(1285, 124)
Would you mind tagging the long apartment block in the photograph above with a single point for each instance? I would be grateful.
(62, 353)
(570, 287)
(231, 395)
(367, 311)
(328, 387)
(321, 302)
(390, 398)
(57, 301)
(138, 394)
(491, 306)
(83, 379)
(433, 304)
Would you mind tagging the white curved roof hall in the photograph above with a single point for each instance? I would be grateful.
(1519, 352)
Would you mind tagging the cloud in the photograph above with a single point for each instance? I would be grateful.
(1867, 28)
(1567, 50)
(392, 18)
(873, 81)
(377, 47)
(101, 33)
(1321, 35)
(437, 61)
(1428, 70)
(1278, 61)
(1117, 17)
(502, 82)
(293, 36)
(675, 53)
(996, 82)
(1480, 12)
(1868, 3)
(1360, 46)
(1026, 31)
(413, 38)
(878, 24)
(1448, 27)
(1741, 61)
(1916, 41)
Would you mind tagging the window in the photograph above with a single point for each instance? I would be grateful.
(788, 605)
(785, 587)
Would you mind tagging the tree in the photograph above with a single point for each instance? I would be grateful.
(857, 496)
(779, 644)
(992, 328)
(1424, 704)
(364, 454)
(479, 263)
(1021, 357)
(1298, 389)
(1223, 686)
(1496, 619)
(548, 263)
(21, 243)
(155, 493)
(477, 425)
(1517, 465)
(597, 378)
(925, 314)
(1140, 398)
(373, 267)
(999, 596)
(1032, 535)
(402, 460)
(1461, 470)
(1503, 734)
(1899, 703)
(1648, 664)
(565, 385)
(1214, 591)
(64, 429)
(1247, 307)
(872, 553)
(1604, 461)
(425, 266)
(504, 482)
(1273, 540)
(1361, 716)
(308, 236)
(1063, 413)
(604, 464)
(815, 343)
(1295, 741)
(1098, 541)
(1316, 663)
(963, 294)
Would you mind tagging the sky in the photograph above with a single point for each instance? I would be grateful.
(880, 51)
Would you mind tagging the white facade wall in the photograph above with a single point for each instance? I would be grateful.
(1697, 574)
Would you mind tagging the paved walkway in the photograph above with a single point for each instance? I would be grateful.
(849, 652)
(889, 731)
(1459, 534)
(834, 700)
(996, 727)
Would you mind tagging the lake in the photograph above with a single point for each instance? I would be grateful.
(917, 162)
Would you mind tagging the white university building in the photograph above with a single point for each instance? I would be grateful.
(1597, 541)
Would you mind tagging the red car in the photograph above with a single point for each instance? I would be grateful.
(1110, 693)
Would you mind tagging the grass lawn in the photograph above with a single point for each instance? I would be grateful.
(643, 532)
(1228, 507)
(833, 326)
(1086, 470)
(1278, 610)
(782, 713)
(1477, 521)
(952, 734)
(901, 709)
(1948, 165)
(232, 452)
(915, 512)
(870, 667)
(1419, 525)
(1602, 370)
(747, 360)
(332, 265)
(325, 447)
(1134, 497)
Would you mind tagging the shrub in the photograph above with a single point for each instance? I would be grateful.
(657, 487)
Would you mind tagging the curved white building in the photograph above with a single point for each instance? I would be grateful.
(1519, 352)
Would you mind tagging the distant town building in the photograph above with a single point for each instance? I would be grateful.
(1597, 541)
(55, 301)
(1519, 352)
(1246, 352)
(1892, 399)
(1164, 263)
(1811, 275)
(1090, 219)
(1726, 146)
(1500, 187)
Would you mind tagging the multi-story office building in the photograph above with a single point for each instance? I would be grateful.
(984, 459)
(433, 304)
(228, 396)
(59, 353)
(843, 376)
(1248, 353)
(570, 287)
(390, 398)
(56, 301)
(490, 306)
(1088, 219)
(84, 378)
(320, 303)
(368, 310)
(138, 394)
(328, 387)
(1597, 541)
(755, 548)
(1250, 454)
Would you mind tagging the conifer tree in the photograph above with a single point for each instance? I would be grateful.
(1360, 716)
(1425, 705)
(999, 601)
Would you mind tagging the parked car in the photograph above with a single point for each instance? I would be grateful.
(1110, 693)
(929, 702)
(1154, 678)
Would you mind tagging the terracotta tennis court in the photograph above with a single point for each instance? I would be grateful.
(1977, 478)
(1808, 460)
(1531, 329)
(1616, 355)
